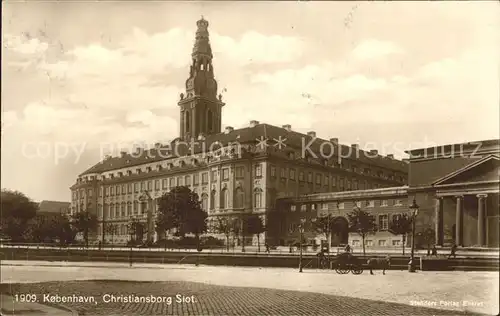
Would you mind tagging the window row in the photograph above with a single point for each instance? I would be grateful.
(341, 205)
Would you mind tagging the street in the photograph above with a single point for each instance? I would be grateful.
(442, 290)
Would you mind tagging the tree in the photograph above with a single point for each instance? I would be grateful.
(84, 222)
(112, 230)
(181, 209)
(253, 225)
(63, 230)
(427, 238)
(363, 223)
(136, 230)
(236, 228)
(401, 224)
(326, 225)
(223, 225)
(16, 212)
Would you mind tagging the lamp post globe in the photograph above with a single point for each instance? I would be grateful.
(414, 212)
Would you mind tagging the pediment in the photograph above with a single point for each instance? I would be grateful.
(485, 169)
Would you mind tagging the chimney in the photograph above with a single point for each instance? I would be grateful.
(123, 153)
(288, 127)
(311, 134)
(354, 145)
(157, 145)
(228, 129)
(253, 123)
(334, 140)
(391, 156)
(374, 152)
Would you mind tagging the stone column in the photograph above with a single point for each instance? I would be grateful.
(150, 221)
(459, 221)
(481, 218)
(439, 221)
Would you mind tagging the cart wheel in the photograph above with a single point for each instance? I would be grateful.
(344, 271)
(357, 270)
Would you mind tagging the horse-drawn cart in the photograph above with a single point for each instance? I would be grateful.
(345, 262)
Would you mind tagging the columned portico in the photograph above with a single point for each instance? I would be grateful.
(439, 230)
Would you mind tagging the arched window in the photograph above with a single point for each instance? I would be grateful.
(204, 202)
(239, 201)
(258, 198)
(224, 199)
(187, 121)
(210, 122)
(212, 199)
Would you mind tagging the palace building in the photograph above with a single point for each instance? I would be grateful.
(233, 171)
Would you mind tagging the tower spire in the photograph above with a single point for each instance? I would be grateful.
(201, 109)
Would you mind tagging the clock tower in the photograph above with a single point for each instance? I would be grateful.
(200, 107)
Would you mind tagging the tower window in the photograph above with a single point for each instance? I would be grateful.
(187, 121)
(210, 120)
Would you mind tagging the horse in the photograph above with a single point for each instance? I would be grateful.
(381, 263)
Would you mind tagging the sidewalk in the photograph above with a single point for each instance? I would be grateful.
(9, 307)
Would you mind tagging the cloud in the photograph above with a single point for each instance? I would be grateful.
(373, 49)
(24, 44)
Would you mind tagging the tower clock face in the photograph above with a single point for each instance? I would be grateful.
(190, 84)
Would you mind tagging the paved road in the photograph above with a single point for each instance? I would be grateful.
(186, 298)
(396, 286)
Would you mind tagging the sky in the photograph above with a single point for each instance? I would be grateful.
(81, 77)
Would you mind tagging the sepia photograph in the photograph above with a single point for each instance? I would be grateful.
(247, 158)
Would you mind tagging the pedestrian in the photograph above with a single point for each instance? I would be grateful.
(434, 251)
(267, 248)
(453, 251)
(130, 256)
(347, 248)
(99, 245)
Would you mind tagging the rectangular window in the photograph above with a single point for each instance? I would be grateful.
(258, 170)
(196, 179)
(214, 175)
(283, 173)
(130, 188)
(187, 180)
(327, 180)
(180, 181)
(340, 205)
(381, 243)
(164, 183)
(399, 202)
(157, 185)
(303, 208)
(292, 174)
(357, 204)
(355, 243)
(310, 177)
(293, 208)
(341, 184)
(369, 243)
(225, 174)
(324, 206)
(313, 207)
(90, 193)
(143, 186)
(383, 222)
(100, 192)
(370, 203)
(118, 190)
(273, 172)
(150, 185)
(136, 187)
(204, 177)
(301, 176)
(240, 172)
(384, 203)
(396, 243)
(171, 183)
(111, 192)
(318, 179)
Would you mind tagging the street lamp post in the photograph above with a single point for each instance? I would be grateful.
(301, 230)
(414, 209)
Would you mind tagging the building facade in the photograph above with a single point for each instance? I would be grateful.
(233, 171)
(382, 203)
(457, 188)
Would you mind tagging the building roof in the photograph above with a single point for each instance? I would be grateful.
(249, 135)
(351, 195)
(53, 206)
(473, 147)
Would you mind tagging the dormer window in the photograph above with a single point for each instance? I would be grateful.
(194, 161)
(120, 174)
(325, 162)
(170, 165)
(129, 172)
(138, 170)
(111, 176)
(291, 155)
(159, 167)
(182, 163)
(148, 169)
